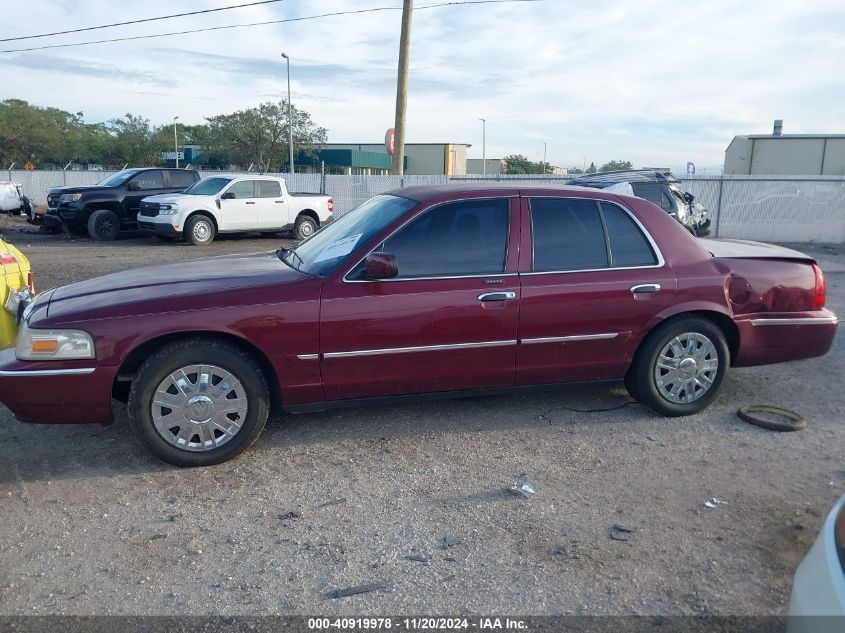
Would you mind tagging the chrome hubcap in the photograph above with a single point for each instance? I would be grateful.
(199, 407)
(306, 229)
(201, 231)
(686, 367)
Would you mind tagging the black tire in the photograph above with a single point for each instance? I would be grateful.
(304, 227)
(212, 355)
(642, 381)
(200, 230)
(103, 225)
(772, 418)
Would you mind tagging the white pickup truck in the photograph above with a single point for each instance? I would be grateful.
(232, 204)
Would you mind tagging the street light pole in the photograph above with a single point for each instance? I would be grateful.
(483, 146)
(402, 88)
(176, 142)
(290, 118)
(544, 157)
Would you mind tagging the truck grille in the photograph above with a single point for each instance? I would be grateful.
(149, 209)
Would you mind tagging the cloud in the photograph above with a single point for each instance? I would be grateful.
(655, 82)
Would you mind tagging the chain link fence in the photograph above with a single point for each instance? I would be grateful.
(765, 208)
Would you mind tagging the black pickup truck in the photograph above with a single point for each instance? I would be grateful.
(104, 209)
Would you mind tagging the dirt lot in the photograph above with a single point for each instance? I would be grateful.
(414, 496)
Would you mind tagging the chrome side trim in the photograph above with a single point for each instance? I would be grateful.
(8, 373)
(828, 320)
(308, 356)
(569, 339)
(398, 279)
(423, 348)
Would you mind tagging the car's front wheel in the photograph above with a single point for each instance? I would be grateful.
(198, 402)
(199, 230)
(680, 367)
(103, 225)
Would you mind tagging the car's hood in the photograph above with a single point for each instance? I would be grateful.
(194, 284)
(77, 188)
(164, 198)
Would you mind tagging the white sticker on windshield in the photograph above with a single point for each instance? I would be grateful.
(338, 248)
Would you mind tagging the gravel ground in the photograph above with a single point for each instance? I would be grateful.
(414, 497)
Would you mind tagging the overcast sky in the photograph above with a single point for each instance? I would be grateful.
(655, 82)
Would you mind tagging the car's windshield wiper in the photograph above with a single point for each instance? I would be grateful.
(282, 254)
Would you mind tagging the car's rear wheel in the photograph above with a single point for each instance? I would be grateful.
(103, 225)
(304, 227)
(198, 402)
(199, 230)
(680, 367)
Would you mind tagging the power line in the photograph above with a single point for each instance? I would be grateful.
(163, 17)
(237, 26)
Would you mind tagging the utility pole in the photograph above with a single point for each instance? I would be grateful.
(483, 146)
(402, 89)
(176, 142)
(544, 157)
(290, 118)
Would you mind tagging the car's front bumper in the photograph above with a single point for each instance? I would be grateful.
(158, 228)
(56, 392)
(818, 592)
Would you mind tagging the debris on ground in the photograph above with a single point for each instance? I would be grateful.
(523, 486)
(772, 418)
(287, 516)
(449, 541)
(354, 591)
(621, 532)
(417, 558)
(715, 503)
(333, 502)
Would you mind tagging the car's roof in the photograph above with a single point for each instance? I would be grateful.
(421, 193)
(608, 178)
(235, 176)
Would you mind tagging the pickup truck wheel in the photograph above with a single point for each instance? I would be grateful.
(103, 225)
(304, 227)
(680, 367)
(198, 402)
(199, 230)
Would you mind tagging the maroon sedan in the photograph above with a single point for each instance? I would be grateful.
(425, 290)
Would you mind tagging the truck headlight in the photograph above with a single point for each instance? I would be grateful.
(36, 344)
(167, 209)
(70, 197)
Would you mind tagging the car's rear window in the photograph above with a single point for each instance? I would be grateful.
(568, 235)
(628, 245)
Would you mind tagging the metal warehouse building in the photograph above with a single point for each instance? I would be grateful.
(782, 154)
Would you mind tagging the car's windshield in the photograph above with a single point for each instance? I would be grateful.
(119, 178)
(207, 186)
(327, 249)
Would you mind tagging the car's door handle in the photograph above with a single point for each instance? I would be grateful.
(496, 296)
(280, 201)
(250, 201)
(645, 288)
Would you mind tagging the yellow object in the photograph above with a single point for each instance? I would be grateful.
(14, 267)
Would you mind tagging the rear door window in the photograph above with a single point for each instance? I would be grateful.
(628, 245)
(568, 235)
(269, 189)
(181, 179)
(459, 238)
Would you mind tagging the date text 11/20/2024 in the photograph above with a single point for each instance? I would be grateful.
(418, 624)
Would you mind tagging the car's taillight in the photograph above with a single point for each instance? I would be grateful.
(30, 282)
(820, 294)
(331, 205)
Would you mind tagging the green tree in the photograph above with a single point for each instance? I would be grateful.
(33, 133)
(132, 141)
(260, 135)
(591, 169)
(519, 164)
(616, 165)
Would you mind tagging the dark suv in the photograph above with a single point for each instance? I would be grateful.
(659, 187)
(104, 209)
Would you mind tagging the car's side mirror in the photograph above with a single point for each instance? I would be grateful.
(228, 196)
(134, 186)
(380, 266)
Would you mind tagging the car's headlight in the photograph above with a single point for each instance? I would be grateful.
(167, 209)
(36, 344)
(70, 197)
